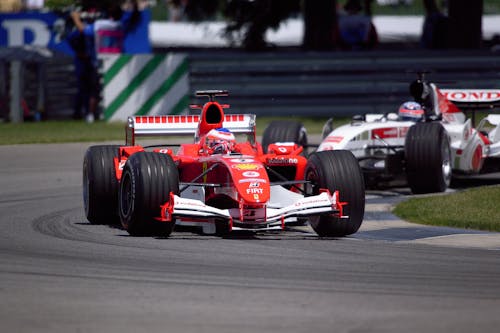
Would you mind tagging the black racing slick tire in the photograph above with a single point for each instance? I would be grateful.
(284, 131)
(337, 170)
(428, 158)
(222, 228)
(100, 185)
(147, 180)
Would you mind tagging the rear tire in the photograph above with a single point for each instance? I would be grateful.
(337, 170)
(428, 158)
(100, 186)
(148, 179)
(284, 131)
(222, 228)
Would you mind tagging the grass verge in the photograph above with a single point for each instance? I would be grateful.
(79, 131)
(475, 208)
(59, 132)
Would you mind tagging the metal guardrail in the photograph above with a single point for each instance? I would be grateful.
(334, 83)
(281, 83)
(36, 83)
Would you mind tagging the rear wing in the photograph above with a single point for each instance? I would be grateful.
(473, 98)
(172, 125)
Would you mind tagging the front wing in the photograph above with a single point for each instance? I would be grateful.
(275, 218)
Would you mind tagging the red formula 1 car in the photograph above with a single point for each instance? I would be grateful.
(216, 182)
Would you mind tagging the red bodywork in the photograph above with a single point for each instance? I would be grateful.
(238, 182)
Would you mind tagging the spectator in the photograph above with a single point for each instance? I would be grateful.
(356, 30)
(88, 74)
(103, 36)
(83, 71)
(435, 27)
(176, 10)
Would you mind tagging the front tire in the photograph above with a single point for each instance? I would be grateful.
(284, 131)
(148, 179)
(428, 158)
(337, 170)
(100, 185)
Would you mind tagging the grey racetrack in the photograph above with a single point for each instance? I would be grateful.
(58, 273)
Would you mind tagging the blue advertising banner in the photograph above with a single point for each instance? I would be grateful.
(36, 29)
(47, 30)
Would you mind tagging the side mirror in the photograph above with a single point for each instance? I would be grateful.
(327, 128)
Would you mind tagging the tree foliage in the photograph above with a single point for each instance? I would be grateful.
(201, 10)
(58, 4)
(249, 20)
(85, 4)
(320, 19)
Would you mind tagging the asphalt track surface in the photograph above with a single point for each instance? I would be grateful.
(58, 273)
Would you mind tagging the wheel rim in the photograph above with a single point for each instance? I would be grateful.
(446, 163)
(126, 198)
(311, 188)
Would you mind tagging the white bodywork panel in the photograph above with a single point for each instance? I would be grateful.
(316, 204)
(465, 141)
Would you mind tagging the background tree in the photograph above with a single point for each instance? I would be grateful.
(320, 22)
(465, 23)
(249, 20)
(435, 29)
(59, 4)
(85, 4)
(201, 10)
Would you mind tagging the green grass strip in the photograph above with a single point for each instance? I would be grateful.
(60, 132)
(149, 68)
(117, 66)
(55, 131)
(179, 72)
(475, 208)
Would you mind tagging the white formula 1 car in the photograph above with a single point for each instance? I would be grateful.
(429, 142)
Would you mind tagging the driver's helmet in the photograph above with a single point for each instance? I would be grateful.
(411, 111)
(219, 141)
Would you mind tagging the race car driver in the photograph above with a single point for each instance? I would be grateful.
(411, 111)
(219, 141)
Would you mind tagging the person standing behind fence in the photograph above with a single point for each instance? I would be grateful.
(89, 78)
(83, 70)
(104, 36)
(356, 30)
(435, 27)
